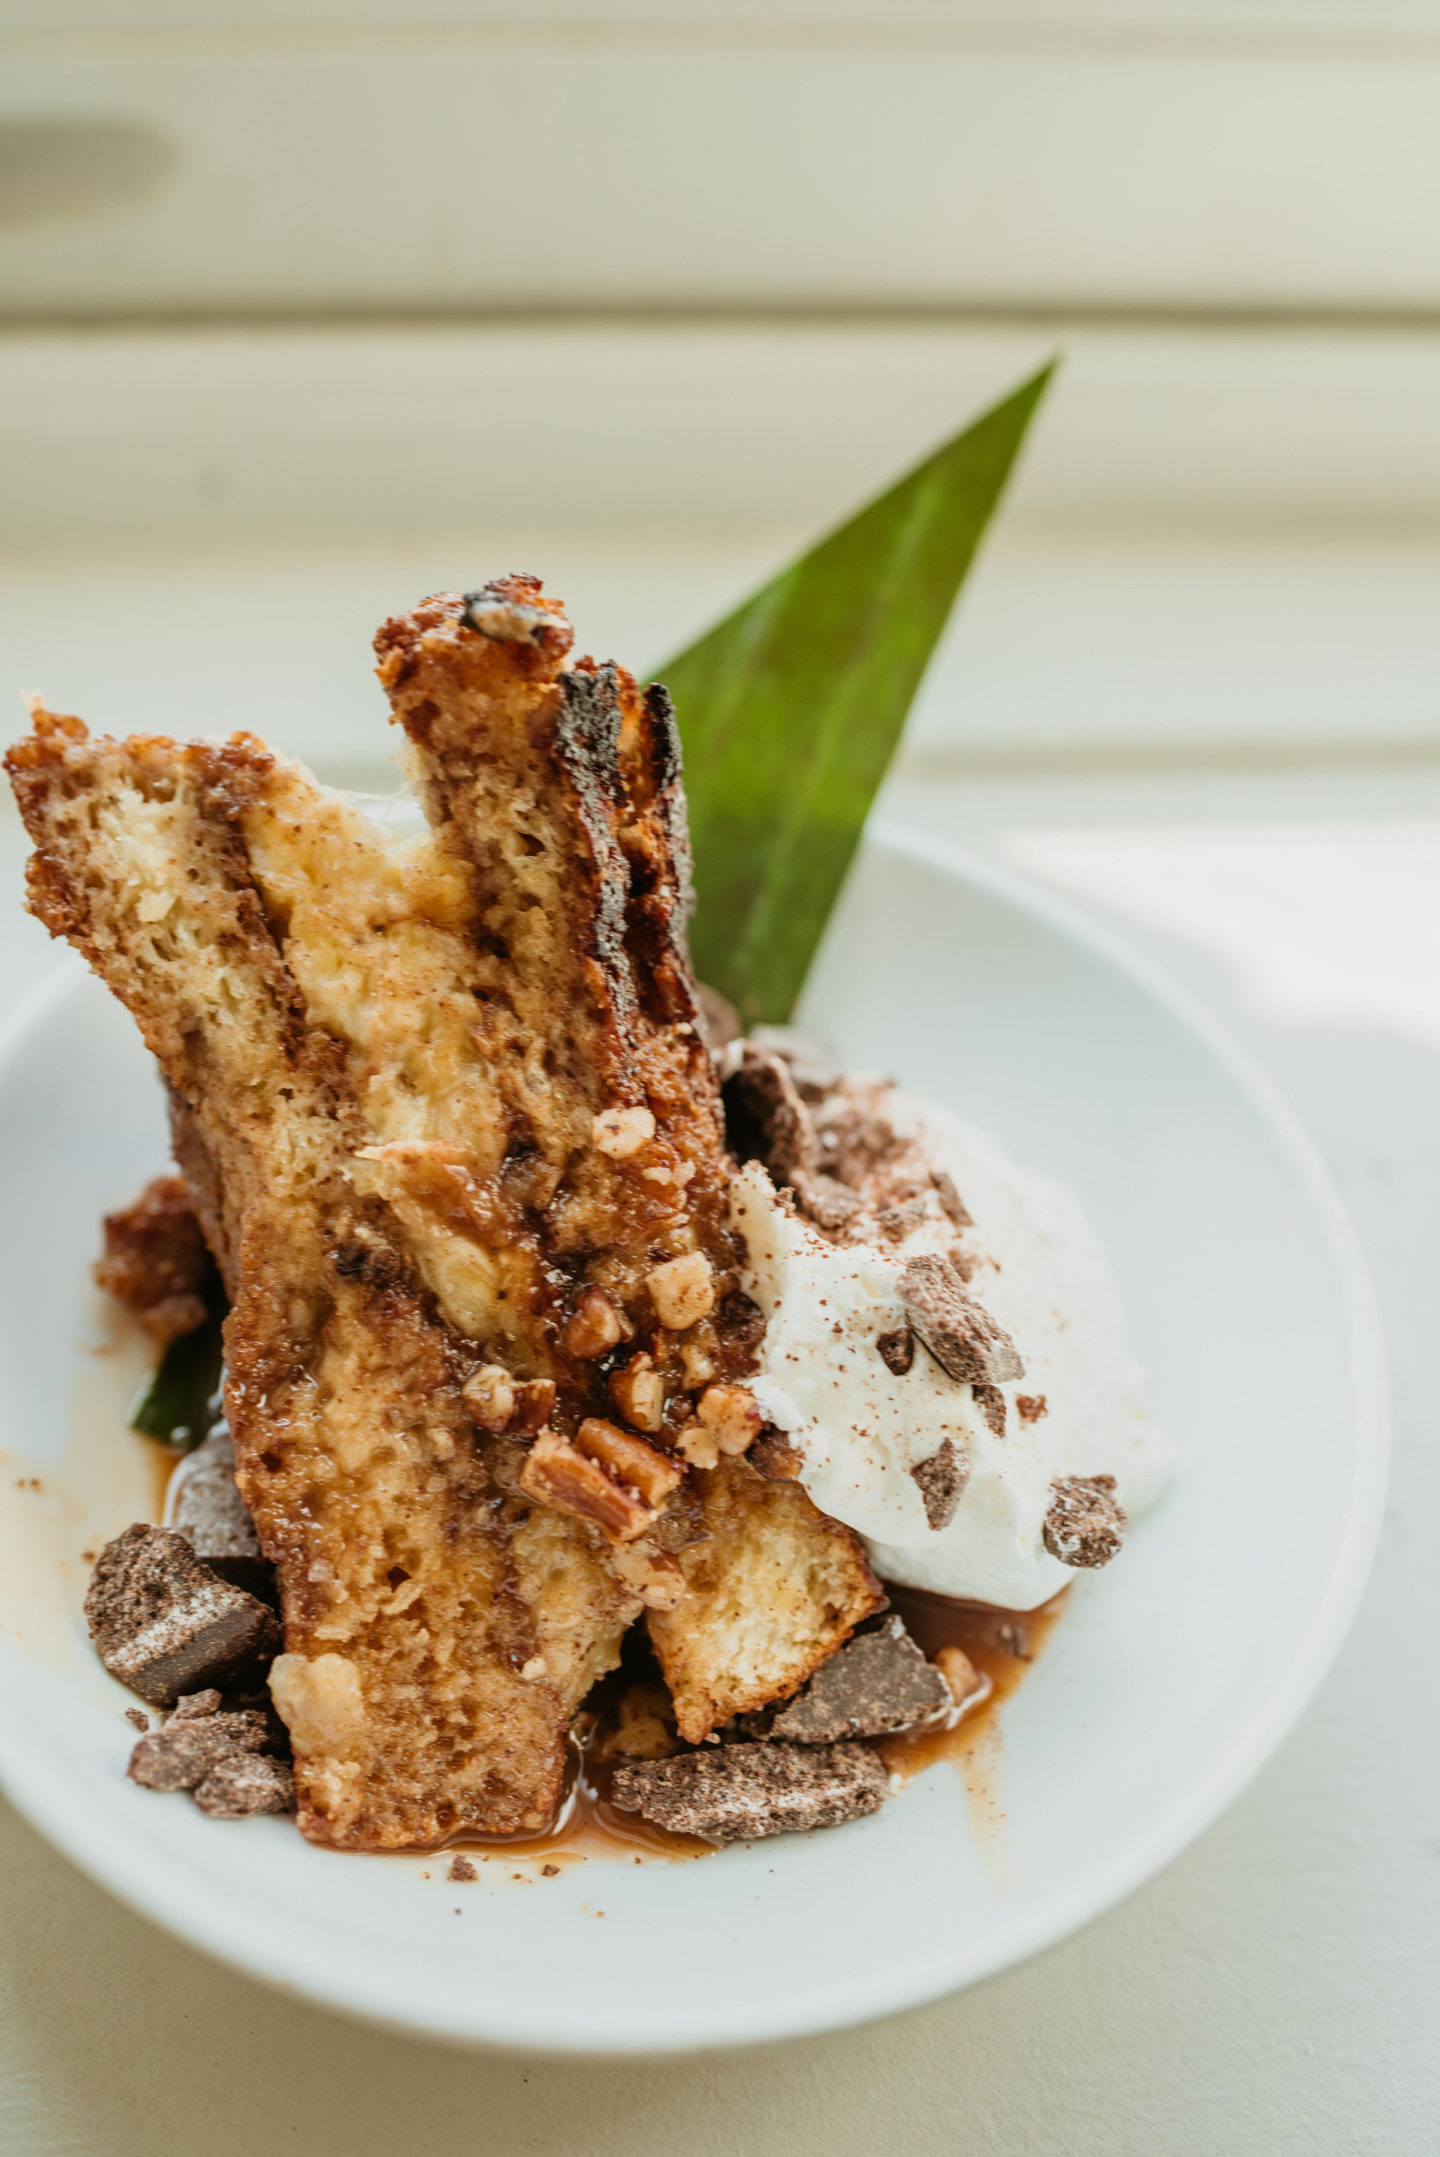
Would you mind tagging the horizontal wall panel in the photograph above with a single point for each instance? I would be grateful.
(517, 170)
(201, 434)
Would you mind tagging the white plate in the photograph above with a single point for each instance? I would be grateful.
(1167, 1683)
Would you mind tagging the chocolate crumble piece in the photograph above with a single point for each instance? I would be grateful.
(900, 1221)
(942, 1479)
(461, 1869)
(246, 1783)
(824, 1202)
(950, 1199)
(878, 1682)
(897, 1350)
(991, 1403)
(164, 1624)
(963, 1338)
(765, 1118)
(180, 1756)
(137, 1719)
(1085, 1523)
(1031, 1406)
(214, 1520)
(190, 1706)
(742, 1792)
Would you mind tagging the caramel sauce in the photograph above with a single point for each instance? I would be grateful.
(587, 1826)
(1001, 1644)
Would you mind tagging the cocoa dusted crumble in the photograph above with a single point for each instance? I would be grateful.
(743, 1792)
(1031, 1406)
(962, 1337)
(165, 1624)
(1085, 1523)
(897, 1350)
(991, 1403)
(214, 1520)
(878, 1683)
(942, 1479)
(228, 1762)
(461, 1869)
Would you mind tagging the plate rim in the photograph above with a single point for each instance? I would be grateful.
(147, 1885)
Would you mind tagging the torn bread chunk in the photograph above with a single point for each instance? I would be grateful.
(442, 1107)
(772, 1591)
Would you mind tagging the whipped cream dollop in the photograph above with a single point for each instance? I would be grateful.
(876, 1441)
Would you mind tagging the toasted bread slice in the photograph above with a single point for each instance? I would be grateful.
(432, 1099)
(773, 1590)
(420, 1620)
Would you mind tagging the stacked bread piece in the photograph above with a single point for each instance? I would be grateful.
(446, 1115)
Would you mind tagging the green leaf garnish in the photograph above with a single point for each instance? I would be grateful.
(791, 708)
(182, 1403)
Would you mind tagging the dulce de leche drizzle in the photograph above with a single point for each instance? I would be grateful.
(1001, 1645)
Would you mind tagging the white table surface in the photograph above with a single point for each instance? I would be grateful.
(1276, 1990)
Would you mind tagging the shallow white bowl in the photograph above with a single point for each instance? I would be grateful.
(1166, 1684)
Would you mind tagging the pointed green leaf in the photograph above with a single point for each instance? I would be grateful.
(181, 1404)
(791, 708)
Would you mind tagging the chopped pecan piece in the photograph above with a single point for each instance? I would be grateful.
(732, 1416)
(682, 1290)
(560, 1475)
(773, 1456)
(595, 1326)
(639, 1393)
(629, 1460)
(489, 1394)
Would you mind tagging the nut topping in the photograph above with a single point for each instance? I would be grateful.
(639, 1393)
(595, 1326)
(621, 1132)
(557, 1474)
(489, 1394)
(732, 1415)
(629, 1460)
(698, 1446)
(534, 1406)
(682, 1290)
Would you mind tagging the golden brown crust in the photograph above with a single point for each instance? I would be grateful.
(772, 1591)
(443, 1109)
(156, 1262)
(429, 1688)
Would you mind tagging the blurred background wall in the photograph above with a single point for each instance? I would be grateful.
(303, 307)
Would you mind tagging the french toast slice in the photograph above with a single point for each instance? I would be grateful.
(771, 1592)
(454, 1139)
